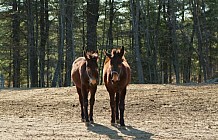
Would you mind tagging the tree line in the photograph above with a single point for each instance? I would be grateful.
(166, 41)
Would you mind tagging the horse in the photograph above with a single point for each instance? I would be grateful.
(85, 77)
(117, 75)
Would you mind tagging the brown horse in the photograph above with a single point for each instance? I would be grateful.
(84, 75)
(116, 78)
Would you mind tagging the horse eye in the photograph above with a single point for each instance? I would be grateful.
(88, 68)
(119, 65)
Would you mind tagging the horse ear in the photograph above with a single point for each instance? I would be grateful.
(107, 54)
(122, 51)
(85, 54)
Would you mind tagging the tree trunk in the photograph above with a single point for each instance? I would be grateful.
(151, 51)
(59, 68)
(164, 49)
(42, 44)
(101, 62)
(47, 26)
(188, 51)
(187, 56)
(206, 38)
(16, 44)
(48, 79)
(200, 40)
(33, 61)
(69, 42)
(83, 31)
(135, 30)
(165, 73)
(172, 27)
(36, 32)
(145, 28)
(44, 29)
(10, 68)
(156, 43)
(110, 29)
(92, 19)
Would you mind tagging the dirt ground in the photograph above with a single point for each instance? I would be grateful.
(152, 112)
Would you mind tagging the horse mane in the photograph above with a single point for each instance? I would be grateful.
(124, 59)
(107, 59)
(114, 51)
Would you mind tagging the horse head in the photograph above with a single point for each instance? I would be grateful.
(116, 59)
(92, 67)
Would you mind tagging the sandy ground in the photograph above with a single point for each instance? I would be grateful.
(152, 112)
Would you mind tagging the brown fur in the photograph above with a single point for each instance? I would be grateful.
(117, 63)
(84, 75)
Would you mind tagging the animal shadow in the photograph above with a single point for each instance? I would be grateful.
(136, 134)
(103, 130)
(128, 131)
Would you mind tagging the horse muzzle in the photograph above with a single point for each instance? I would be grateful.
(93, 81)
(115, 76)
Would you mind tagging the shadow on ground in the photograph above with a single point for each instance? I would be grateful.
(126, 132)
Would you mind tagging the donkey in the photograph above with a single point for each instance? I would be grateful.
(117, 75)
(85, 76)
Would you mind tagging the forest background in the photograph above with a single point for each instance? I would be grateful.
(166, 41)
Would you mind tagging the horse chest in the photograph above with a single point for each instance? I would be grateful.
(115, 87)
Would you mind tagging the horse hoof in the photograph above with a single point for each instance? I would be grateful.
(83, 120)
(122, 125)
(118, 121)
(92, 122)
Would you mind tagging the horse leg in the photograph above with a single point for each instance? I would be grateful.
(122, 106)
(117, 107)
(85, 103)
(92, 101)
(81, 102)
(112, 104)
